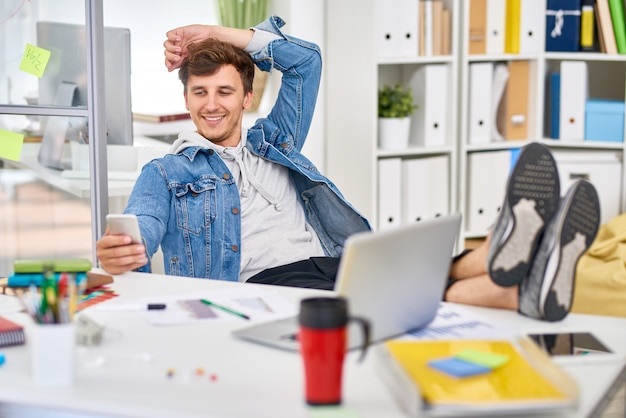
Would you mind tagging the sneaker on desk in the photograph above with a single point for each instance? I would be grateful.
(548, 291)
(531, 199)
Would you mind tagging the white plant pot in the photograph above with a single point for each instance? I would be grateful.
(393, 133)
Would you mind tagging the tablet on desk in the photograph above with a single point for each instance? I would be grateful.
(573, 346)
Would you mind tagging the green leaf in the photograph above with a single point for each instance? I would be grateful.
(396, 102)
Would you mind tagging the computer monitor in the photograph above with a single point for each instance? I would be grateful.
(65, 83)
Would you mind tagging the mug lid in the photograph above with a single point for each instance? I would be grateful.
(323, 312)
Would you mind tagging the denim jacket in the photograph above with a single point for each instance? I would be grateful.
(189, 203)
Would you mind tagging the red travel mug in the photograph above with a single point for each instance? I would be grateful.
(323, 343)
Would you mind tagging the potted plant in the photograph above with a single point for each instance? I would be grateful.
(244, 14)
(395, 106)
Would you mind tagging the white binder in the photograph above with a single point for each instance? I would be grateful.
(430, 94)
(480, 92)
(531, 26)
(425, 188)
(496, 19)
(488, 172)
(389, 193)
(429, 27)
(397, 30)
(573, 96)
(601, 168)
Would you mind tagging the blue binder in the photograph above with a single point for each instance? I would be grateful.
(555, 104)
(563, 25)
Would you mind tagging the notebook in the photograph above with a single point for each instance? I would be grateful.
(11, 333)
(394, 278)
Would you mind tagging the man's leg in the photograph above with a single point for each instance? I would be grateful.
(482, 291)
(548, 273)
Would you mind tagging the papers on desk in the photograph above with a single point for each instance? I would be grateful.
(455, 322)
(226, 305)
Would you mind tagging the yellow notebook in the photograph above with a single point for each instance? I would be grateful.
(527, 382)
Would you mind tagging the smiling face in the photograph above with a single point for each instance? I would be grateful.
(216, 103)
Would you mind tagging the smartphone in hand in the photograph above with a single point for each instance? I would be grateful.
(124, 224)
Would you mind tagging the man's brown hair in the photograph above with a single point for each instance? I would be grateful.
(207, 57)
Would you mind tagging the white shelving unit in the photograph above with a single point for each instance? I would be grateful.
(607, 75)
(354, 72)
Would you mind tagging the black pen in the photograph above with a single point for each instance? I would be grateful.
(156, 306)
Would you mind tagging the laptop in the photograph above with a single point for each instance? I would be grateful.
(394, 278)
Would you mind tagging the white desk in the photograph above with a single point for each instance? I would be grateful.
(253, 380)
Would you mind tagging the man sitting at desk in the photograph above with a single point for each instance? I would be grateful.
(246, 205)
(230, 202)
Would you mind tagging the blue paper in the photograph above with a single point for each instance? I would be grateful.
(458, 368)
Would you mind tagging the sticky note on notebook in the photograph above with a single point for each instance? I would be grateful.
(11, 145)
(458, 368)
(483, 358)
(35, 60)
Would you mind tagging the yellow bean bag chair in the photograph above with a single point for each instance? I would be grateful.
(601, 272)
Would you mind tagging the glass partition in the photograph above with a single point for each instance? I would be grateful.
(47, 193)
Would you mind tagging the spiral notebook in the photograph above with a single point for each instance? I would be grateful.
(11, 333)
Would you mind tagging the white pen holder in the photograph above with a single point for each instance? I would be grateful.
(52, 348)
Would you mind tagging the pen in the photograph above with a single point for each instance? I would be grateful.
(156, 306)
(225, 309)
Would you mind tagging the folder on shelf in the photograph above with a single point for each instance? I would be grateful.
(425, 186)
(430, 91)
(486, 183)
(480, 116)
(512, 117)
(587, 25)
(573, 92)
(427, 24)
(446, 31)
(437, 10)
(498, 88)
(563, 25)
(619, 24)
(605, 27)
(512, 34)
(389, 193)
(397, 29)
(477, 36)
(496, 19)
(531, 28)
(554, 102)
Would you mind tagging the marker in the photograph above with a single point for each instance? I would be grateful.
(156, 306)
(225, 309)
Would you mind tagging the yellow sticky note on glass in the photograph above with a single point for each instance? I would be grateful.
(35, 60)
(11, 145)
